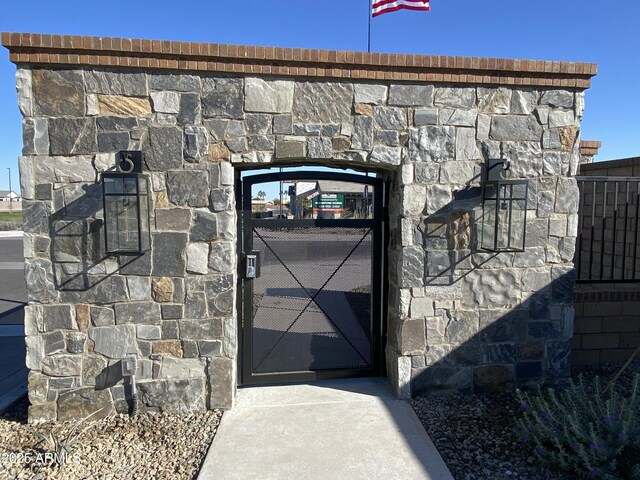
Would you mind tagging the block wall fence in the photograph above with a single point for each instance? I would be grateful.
(458, 318)
(607, 324)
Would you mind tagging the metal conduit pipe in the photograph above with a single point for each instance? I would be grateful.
(129, 368)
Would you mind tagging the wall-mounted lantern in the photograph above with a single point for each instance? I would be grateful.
(125, 195)
(504, 210)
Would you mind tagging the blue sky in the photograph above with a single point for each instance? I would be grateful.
(571, 30)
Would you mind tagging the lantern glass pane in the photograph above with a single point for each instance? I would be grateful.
(120, 185)
(142, 185)
(488, 220)
(503, 214)
(520, 191)
(144, 212)
(121, 221)
(518, 218)
(490, 191)
(504, 207)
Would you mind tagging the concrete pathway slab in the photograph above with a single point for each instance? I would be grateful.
(12, 330)
(12, 266)
(13, 372)
(13, 289)
(11, 318)
(346, 429)
(13, 298)
(12, 234)
(9, 399)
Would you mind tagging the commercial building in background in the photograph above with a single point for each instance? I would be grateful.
(330, 199)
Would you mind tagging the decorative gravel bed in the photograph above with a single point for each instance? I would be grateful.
(475, 435)
(158, 446)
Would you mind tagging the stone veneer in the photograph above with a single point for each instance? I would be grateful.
(457, 317)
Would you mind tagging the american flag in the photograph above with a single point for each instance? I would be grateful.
(378, 7)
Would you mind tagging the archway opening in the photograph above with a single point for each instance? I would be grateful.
(312, 273)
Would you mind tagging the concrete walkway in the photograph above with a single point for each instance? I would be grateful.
(12, 234)
(346, 429)
(13, 297)
(13, 372)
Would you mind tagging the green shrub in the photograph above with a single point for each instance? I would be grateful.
(583, 431)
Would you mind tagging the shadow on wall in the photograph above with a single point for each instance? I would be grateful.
(452, 234)
(521, 336)
(526, 342)
(483, 320)
(80, 262)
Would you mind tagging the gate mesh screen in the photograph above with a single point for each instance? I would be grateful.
(312, 301)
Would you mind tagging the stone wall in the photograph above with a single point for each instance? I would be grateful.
(466, 319)
(458, 318)
(173, 307)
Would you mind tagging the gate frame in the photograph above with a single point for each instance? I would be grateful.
(599, 213)
(380, 283)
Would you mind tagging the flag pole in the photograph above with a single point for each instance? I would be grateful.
(369, 38)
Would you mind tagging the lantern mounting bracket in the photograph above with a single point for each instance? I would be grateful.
(491, 174)
(129, 161)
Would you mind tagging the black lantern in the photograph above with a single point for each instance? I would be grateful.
(504, 210)
(125, 194)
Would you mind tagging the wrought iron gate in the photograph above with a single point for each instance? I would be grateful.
(608, 226)
(312, 279)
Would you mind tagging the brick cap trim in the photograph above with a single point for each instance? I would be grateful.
(43, 49)
(590, 148)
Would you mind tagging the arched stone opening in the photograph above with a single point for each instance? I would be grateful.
(328, 251)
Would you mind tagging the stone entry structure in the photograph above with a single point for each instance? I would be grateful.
(200, 113)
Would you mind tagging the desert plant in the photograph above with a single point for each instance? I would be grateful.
(623, 368)
(584, 431)
(56, 449)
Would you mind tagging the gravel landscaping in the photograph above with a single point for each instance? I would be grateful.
(475, 435)
(158, 446)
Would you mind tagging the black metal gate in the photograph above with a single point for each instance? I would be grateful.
(311, 288)
(608, 226)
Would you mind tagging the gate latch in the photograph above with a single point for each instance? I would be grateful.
(252, 262)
